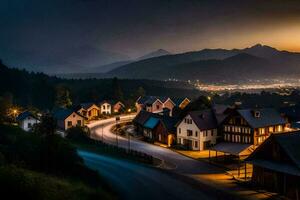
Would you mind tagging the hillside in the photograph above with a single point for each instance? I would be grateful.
(39, 90)
(157, 53)
(213, 64)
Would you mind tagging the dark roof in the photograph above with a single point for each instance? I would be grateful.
(169, 123)
(292, 112)
(62, 114)
(24, 115)
(142, 117)
(219, 111)
(151, 99)
(290, 143)
(204, 120)
(268, 117)
(236, 149)
(178, 101)
(105, 101)
(86, 105)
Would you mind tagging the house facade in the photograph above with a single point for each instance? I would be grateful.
(89, 110)
(156, 128)
(276, 164)
(67, 118)
(118, 107)
(251, 126)
(168, 103)
(105, 108)
(197, 130)
(27, 120)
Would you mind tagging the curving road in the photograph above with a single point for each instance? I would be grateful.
(136, 181)
(174, 161)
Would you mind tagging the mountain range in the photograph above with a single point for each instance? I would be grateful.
(214, 65)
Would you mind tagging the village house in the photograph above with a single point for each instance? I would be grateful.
(105, 107)
(276, 164)
(156, 104)
(197, 130)
(243, 130)
(26, 120)
(89, 110)
(150, 104)
(167, 103)
(252, 126)
(67, 118)
(156, 127)
(117, 107)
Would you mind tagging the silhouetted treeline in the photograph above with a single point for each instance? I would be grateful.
(40, 90)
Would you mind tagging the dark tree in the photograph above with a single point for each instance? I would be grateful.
(46, 127)
(63, 97)
(117, 90)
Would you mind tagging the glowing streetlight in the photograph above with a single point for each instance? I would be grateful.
(209, 98)
(129, 110)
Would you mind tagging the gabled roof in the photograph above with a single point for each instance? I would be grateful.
(151, 99)
(86, 106)
(236, 149)
(178, 101)
(24, 115)
(219, 111)
(204, 120)
(268, 117)
(142, 117)
(105, 101)
(169, 123)
(289, 142)
(63, 113)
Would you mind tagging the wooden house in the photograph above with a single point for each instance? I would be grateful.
(156, 127)
(89, 110)
(251, 126)
(276, 164)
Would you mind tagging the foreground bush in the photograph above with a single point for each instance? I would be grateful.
(18, 183)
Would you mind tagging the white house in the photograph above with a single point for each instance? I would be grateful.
(26, 120)
(105, 107)
(198, 130)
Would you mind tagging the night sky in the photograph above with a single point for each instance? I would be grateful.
(135, 27)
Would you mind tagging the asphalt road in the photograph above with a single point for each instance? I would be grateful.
(136, 181)
(172, 160)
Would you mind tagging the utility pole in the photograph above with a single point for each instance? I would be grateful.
(117, 119)
(102, 134)
(128, 141)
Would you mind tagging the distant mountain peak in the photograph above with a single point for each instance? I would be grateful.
(156, 53)
(261, 50)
